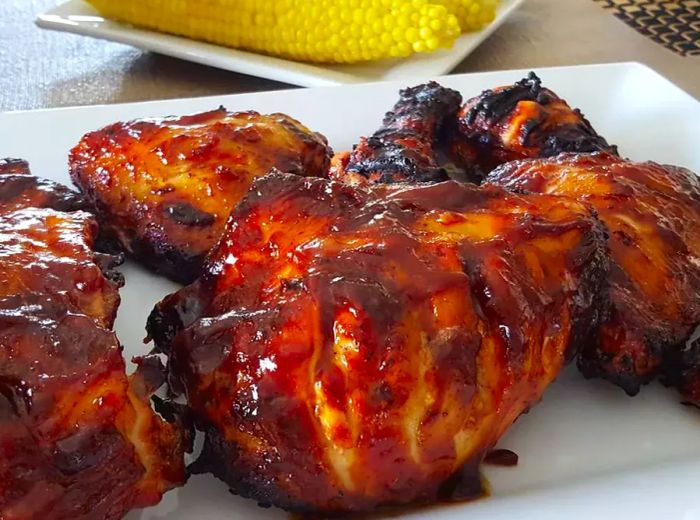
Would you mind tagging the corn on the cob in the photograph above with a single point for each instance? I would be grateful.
(472, 14)
(322, 31)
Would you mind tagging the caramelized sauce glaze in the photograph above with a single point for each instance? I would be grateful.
(163, 188)
(76, 440)
(651, 213)
(372, 344)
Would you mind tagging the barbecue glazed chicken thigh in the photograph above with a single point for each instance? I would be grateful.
(652, 213)
(78, 439)
(347, 348)
(520, 121)
(409, 145)
(164, 188)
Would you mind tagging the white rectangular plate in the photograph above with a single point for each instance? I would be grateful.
(78, 17)
(587, 451)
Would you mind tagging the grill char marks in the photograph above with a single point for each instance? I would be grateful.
(520, 121)
(410, 145)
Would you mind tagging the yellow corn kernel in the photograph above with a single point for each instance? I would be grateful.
(320, 31)
(472, 15)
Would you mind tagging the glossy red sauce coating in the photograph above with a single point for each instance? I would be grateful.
(78, 439)
(20, 190)
(351, 348)
(652, 213)
(163, 188)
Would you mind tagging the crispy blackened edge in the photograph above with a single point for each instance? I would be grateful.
(150, 376)
(162, 257)
(679, 367)
(428, 100)
(391, 160)
(154, 253)
(493, 106)
(175, 312)
(219, 456)
(685, 374)
(592, 301)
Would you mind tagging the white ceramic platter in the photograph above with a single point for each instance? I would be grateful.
(78, 17)
(587, 451)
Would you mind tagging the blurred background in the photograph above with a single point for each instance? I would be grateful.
(42, 69)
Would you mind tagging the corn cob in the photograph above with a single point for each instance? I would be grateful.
(471, 14)
(321, 31)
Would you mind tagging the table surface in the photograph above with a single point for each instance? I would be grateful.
(42, 69)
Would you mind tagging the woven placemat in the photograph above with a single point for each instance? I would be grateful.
(675, 25)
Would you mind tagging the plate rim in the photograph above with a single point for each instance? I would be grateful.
(245, 62)
(551, 502)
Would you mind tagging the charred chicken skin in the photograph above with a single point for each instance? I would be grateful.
(428, 137)
(410, 144)
(652, 214)
(347, 348)
(164, 188)
(78, 439)
(521, 121)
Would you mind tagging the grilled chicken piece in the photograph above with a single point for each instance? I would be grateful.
(410, 144)
(30, 239)
(347, 347)
(521, 121)
(19, 189)
(78, 439)
(164, 188)
(652, 213)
